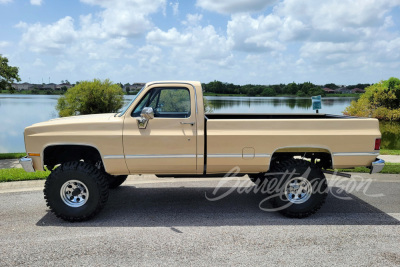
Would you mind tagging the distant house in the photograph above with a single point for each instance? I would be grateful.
(133, 87)
(51, 86)
(22, 86)
(61, 85)
(137, 86)
(328, 90)
(343, 90)
(358, 91)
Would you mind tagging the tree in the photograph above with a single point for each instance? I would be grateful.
(91, 97)
(381, 100)
(331, 86)
(268, 91)
(7, 75)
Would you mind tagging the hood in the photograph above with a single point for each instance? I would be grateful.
(94, 118)
(72, 125)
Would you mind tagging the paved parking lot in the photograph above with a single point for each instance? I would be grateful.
(150, 221)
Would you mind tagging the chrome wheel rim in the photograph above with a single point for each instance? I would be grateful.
(74, 193)
(298, 190)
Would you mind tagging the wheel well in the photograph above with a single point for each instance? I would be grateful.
(322, 159)
(59, 154)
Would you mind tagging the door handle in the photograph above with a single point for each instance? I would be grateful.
(191, 123)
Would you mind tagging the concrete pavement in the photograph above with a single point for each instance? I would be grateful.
(169, 222)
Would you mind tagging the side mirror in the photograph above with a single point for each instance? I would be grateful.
(146, 115)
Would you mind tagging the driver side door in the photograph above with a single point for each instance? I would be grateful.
(168, 143)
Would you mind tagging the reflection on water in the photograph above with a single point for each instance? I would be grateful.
(226, 104)
(20, 111)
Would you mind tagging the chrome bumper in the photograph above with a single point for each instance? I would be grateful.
(26, 163)
(377, 165)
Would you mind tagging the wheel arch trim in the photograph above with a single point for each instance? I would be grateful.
(72, 144)
(305, 149)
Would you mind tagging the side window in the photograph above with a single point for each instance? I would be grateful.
(166, 103)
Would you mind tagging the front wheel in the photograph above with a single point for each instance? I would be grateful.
(301, 188)
(76, 191)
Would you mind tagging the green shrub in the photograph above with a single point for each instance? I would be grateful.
(91, 97)
(381, 101)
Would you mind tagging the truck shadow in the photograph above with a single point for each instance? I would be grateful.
(130, 206)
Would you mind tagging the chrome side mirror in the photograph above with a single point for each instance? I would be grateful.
(146, 115)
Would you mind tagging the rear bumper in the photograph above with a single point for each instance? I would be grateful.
(27, 164)
(377, 165)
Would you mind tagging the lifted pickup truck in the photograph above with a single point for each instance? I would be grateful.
(164, 131)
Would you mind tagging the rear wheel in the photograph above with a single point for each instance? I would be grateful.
(301, 188)
(76, 191)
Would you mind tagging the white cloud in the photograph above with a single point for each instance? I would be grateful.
(170, 38)
(255, 35)
(192, 19)
(234, 6)
(36, 2)
(6, 1)
(195, 44)
(126, 17)
(52, 38)
(293, 41)
(148, 54)
(331, 20)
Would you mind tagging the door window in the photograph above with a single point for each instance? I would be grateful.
(166, 103)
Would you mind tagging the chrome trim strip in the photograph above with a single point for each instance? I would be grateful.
(238, 155)
(355, 154)
(160, 156)
(263, 155)
(113, 157)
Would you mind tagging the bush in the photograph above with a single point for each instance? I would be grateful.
(381, 101)
(91, 97)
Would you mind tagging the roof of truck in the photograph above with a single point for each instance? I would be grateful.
(195, 83)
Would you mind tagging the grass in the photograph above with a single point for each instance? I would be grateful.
(389, 152)
(12, 155)
(18, 174)
(392, 168)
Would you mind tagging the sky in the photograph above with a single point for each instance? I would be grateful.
(236, 41)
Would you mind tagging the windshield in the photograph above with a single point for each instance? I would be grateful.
(125, 108)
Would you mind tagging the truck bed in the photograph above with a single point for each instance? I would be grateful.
(250, 140)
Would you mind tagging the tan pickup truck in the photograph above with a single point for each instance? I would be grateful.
(164, 131)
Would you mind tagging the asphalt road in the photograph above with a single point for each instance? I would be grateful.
(149, 222)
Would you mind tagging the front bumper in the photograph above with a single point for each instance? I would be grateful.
(27, 164)
(377, 165)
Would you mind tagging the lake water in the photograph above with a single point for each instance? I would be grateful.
(20, 111)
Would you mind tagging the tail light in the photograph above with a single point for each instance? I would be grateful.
(377, 143)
